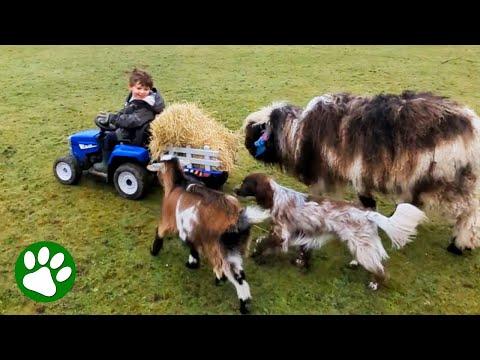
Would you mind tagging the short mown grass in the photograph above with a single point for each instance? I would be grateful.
(50, 92)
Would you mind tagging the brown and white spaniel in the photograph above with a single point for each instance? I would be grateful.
(309, 222)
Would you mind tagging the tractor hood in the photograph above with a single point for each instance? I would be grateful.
(86, 136)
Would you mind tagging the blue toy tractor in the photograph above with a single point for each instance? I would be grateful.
(126, 165)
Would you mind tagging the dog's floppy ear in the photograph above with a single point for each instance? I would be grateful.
(264, 193)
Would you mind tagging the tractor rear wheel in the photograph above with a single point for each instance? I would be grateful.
(131, 181)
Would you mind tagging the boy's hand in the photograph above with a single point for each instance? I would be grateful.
(112, 119)
(105, 120)
(102, 118)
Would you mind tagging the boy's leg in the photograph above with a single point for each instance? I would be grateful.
(108, 144)
(110, 140)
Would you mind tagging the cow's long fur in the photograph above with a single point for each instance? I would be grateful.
(211, 223)
(310, 222)
(421, 148)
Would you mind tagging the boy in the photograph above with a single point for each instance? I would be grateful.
(143, 103)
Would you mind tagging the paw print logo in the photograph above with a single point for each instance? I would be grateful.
(45, 271)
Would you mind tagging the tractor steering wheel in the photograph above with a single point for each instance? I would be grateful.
(102, 121)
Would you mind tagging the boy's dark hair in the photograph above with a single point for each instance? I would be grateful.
(141, 77)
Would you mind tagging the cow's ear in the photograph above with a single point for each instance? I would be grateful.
(276, 117)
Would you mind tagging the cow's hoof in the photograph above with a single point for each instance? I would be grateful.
(454, 249)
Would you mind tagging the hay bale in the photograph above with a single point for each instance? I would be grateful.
(186, 124)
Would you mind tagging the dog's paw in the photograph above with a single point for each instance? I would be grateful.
(300, 263)
(373, 285)
(353, 264)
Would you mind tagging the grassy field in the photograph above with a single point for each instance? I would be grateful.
(52, 92)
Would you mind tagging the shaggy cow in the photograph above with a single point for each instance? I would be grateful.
(422, 148)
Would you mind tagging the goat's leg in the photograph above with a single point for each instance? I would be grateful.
(164, 228)
(237, 277)
(158, 242)
(219, 279)
(236, 264)
(193, 261)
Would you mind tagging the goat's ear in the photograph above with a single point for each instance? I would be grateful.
(155, 167)
(166, 157)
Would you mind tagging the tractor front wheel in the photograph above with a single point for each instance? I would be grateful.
(67, 170)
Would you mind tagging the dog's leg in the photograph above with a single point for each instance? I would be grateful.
(367, 201)
(353, 264)
(263, 245)
(369, 254)
(303, 258)
(378, 279)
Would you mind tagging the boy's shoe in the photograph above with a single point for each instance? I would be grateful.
(101, 166)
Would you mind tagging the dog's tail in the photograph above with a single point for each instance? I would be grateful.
(256, 215)
(401, 227)
(239, 232)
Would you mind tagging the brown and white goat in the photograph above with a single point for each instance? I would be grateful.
(212, 224)
(421, 148)
(309, 222)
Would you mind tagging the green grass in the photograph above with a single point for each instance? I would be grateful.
(51, 92)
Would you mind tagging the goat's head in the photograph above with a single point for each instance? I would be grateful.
(168, 169)
(257, 185)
